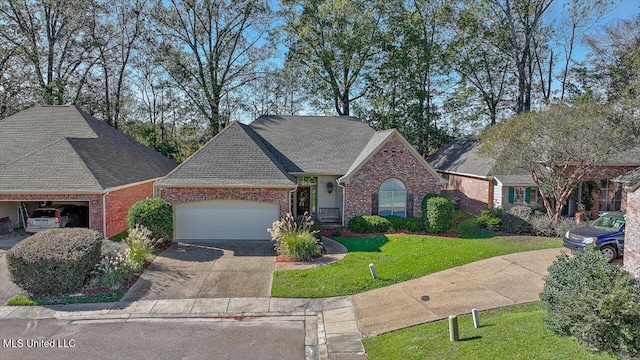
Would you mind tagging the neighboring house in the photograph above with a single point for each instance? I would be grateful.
(334, 168)
(476, 184)
(631, 183)
(61, 155)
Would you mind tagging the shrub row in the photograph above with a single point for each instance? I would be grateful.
(54, 262)
(522, 220)
(593, 301)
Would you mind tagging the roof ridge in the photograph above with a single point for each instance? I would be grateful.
(261, 143)
(32, 152)
(78, 157)
(233, 123)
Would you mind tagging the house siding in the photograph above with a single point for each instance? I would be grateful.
(326, 200)
(632, 234)
(95, 204)
(393, 160)
(118, 203)
(176, 195)
(498, 193)
(470, 194)
(9, 209)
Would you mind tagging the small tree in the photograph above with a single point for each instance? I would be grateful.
(559, 146)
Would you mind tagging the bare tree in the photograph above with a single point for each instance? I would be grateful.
(211, 49)
(53, 37)
(522, 18)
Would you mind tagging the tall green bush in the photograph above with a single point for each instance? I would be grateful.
(593, 301)
(54, 262)
(156, 215)
(439, 214)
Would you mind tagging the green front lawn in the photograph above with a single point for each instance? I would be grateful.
(515, 332)
(397, 258)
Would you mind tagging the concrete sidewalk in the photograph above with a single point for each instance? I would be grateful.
(331, 330)
(495, 282)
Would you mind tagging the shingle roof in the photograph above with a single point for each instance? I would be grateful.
(235, 157)
(463, 157)
(60, 148)
(630, 178)
(378, 138)
(314, 144)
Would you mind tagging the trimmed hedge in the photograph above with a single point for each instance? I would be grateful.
(156, 215)
(593, 301)
(439, 214)
(54, 262)
(369, 224)
(399, 223)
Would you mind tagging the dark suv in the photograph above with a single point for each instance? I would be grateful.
(606, 233)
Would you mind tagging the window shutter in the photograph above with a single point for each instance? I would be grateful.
(527, 195)
(409, 205)
(512, 195)
(374, 204)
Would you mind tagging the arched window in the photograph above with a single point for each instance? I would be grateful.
(392, 198)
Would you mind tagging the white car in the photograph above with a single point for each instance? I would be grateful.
(52, 218)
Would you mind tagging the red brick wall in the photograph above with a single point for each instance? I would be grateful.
(393, 160)
(118, 203)
(95, 204)
(471, 194)
(275, 196)
(632, 234)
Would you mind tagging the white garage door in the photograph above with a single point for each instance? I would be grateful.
(224, 220)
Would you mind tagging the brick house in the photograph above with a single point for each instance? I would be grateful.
(334, 168)
(631, 183)
(54, 155)
(475, 183)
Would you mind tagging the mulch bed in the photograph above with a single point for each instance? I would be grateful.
(344, 232)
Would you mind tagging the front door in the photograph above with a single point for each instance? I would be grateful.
(303, 200)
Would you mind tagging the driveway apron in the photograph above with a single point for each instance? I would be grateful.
(218, 270)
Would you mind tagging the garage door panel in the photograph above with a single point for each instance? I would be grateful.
(224, 220)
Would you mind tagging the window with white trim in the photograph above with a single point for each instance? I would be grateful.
(392, 198)
(519, 195)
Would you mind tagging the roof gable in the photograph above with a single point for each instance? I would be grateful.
(234, 157)
(376, 143)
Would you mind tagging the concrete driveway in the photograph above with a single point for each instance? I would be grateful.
(221, 270)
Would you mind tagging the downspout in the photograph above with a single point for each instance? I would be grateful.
(104, 214)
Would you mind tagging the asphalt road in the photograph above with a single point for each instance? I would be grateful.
(151, 339)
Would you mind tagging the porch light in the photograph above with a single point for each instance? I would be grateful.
(330, 187)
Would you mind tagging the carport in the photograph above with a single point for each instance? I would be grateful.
(17, 211)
